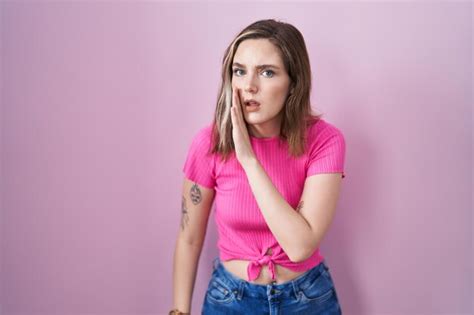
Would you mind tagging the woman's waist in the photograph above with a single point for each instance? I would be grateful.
(238, 267)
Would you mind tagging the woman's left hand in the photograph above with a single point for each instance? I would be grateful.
(240, 135)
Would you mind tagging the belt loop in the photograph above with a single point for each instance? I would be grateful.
(240, 292)
(215, 263)
(296, 289)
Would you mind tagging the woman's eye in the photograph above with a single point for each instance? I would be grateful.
(270, 71)
(235, 71)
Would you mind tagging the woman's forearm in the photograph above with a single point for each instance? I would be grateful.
(290, 229)
(185, 265)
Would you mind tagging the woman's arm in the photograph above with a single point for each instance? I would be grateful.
(195, 208)
(298, 232)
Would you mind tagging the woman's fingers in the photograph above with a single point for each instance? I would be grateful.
(238, 108)
(233, 109)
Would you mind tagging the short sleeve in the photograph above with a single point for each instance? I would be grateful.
(327, 152)
(199, 164)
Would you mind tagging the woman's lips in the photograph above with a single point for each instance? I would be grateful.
(252, 103)
(252, 107)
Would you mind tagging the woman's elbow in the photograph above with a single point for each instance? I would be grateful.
(303, 254)
(297, 258)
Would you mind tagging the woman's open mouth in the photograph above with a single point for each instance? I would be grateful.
(252, 106)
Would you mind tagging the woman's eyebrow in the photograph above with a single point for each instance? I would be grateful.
(257, 67)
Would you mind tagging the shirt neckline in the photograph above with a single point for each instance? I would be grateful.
(264, 139)
(278, 137)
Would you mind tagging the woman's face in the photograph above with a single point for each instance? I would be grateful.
(268, 85)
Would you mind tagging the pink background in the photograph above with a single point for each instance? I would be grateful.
(100, 101)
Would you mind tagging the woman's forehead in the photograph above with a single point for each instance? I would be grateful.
(256, 53)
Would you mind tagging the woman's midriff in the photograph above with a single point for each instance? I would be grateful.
(282, 274)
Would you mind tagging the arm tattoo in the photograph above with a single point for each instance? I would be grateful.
(196, 194)
(300, 205)
(184, 213)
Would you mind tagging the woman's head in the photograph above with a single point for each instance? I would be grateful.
(283, 92)
(259, 74)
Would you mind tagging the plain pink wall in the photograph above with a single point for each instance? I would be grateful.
(100, 101)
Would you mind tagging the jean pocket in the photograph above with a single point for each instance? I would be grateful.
(320, 289)
(219, 292)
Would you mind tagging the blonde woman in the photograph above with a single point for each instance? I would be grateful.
(274, 171)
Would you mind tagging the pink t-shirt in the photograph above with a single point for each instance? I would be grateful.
(242, 230)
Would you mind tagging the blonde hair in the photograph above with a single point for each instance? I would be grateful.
(298, 114)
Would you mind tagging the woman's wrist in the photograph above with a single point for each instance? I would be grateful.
(249, 163)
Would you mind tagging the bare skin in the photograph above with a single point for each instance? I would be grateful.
(300, 205)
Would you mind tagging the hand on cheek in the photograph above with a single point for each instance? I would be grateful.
(240, 135)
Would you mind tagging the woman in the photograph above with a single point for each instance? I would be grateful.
(275, 170)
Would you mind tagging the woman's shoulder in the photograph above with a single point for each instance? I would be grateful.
(203, 138)
(204, 132)
(200, 144)
(321, 130)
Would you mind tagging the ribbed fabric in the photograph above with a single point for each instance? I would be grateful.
(242, 230)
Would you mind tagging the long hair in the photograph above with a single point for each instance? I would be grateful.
(298, 114)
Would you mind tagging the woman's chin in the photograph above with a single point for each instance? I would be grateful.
(253, 120)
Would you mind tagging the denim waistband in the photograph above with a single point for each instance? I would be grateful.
(287, 289)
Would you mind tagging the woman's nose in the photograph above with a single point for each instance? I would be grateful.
(250, 89)
(250, 85)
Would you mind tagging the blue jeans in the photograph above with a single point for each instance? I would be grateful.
(310, 293)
